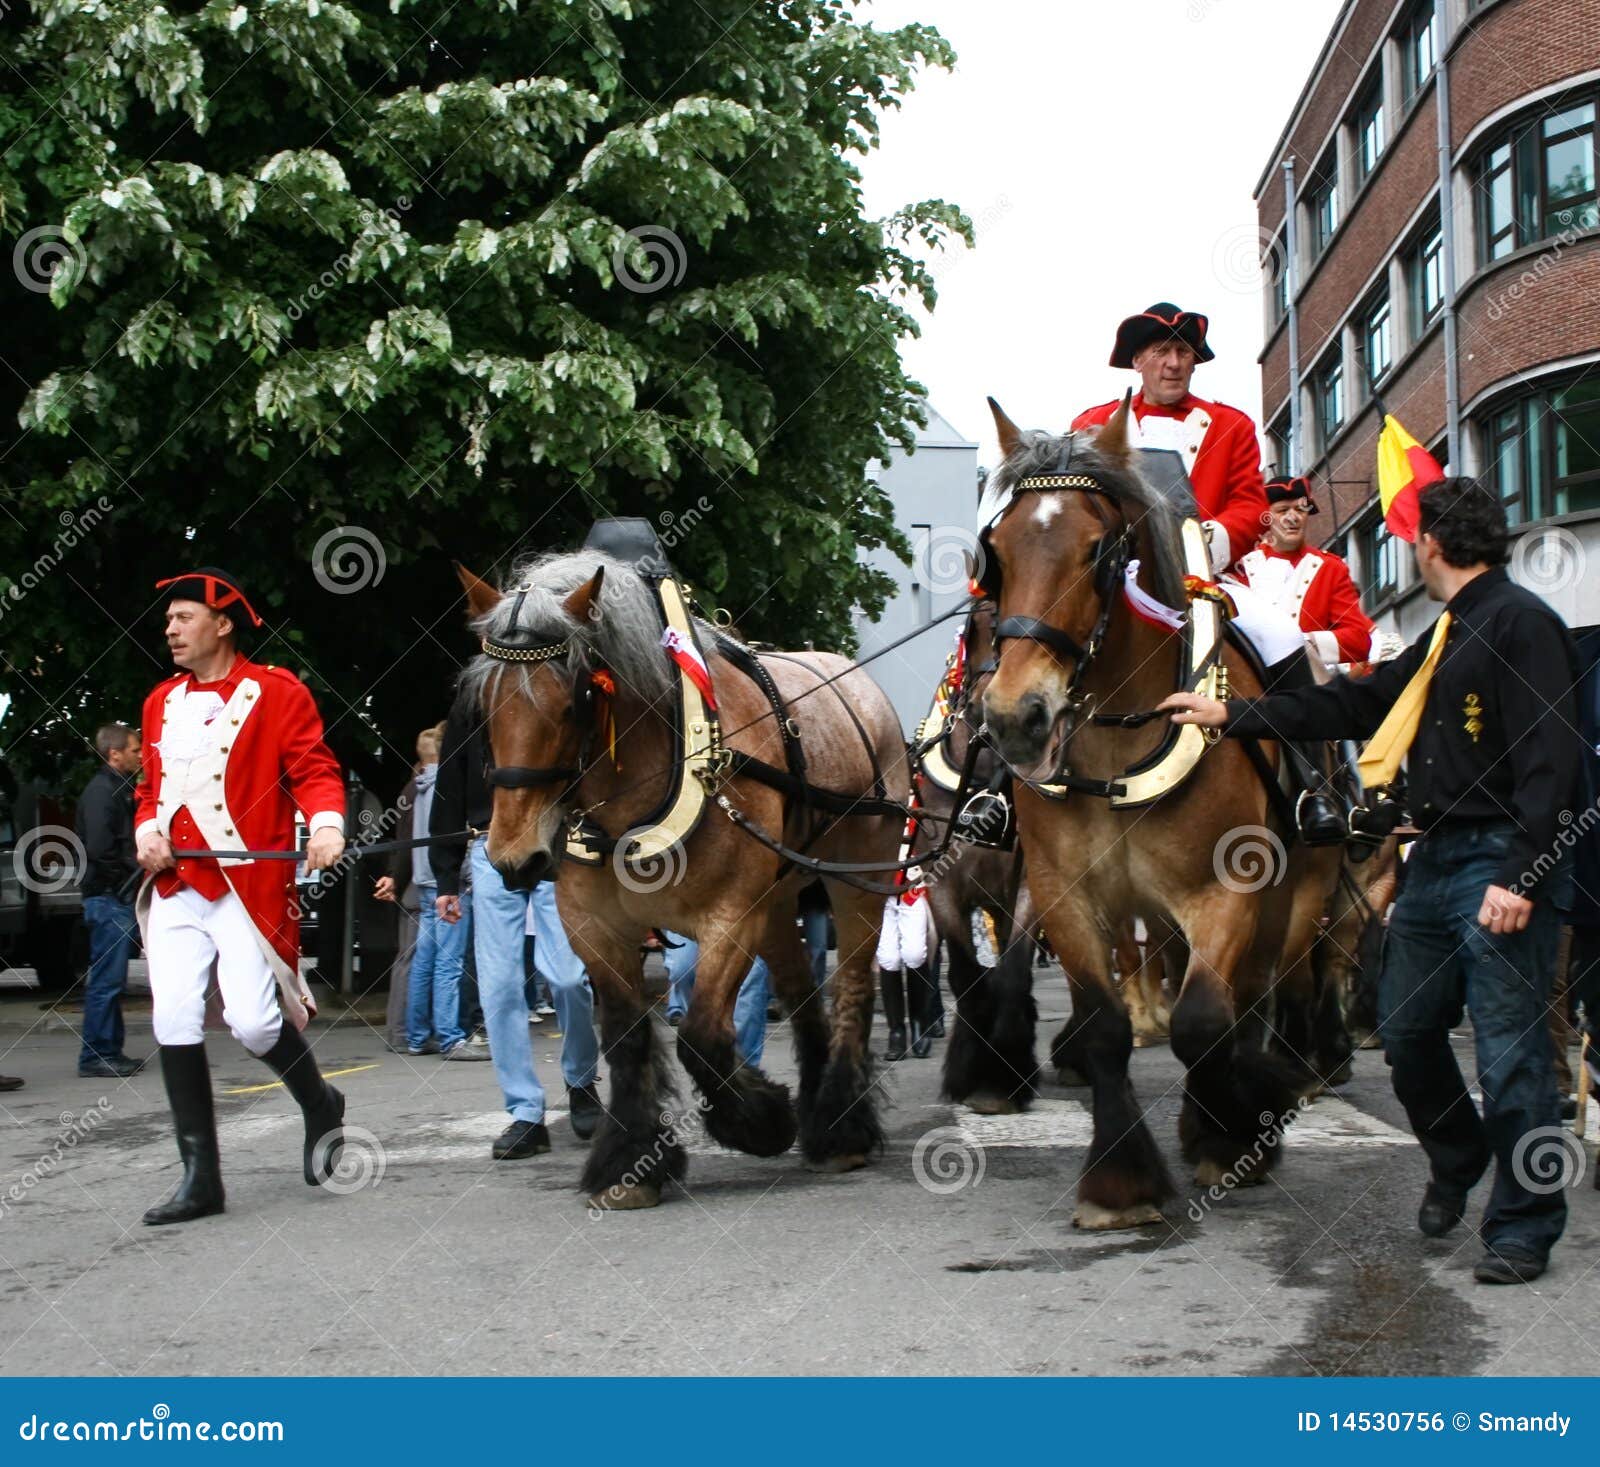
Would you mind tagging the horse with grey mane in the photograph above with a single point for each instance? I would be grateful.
(808, 773)
(1121, 815)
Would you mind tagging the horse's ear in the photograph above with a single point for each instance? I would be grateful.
(482, 598)
(1010, 434)
(584, 603)
(1112, 440)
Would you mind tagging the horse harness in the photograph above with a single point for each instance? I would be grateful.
(704, 763)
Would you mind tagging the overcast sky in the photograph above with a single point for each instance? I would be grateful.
(1108, 156)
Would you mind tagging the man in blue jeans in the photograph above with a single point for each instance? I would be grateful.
(573, 999)
(105, 826)
(433, 982)
(1482, 708)
(749, 1008)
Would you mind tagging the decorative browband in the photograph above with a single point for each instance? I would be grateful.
(546, 653)
(1059, 481)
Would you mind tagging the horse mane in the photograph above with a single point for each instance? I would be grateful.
(625, 638)
(1154, 514)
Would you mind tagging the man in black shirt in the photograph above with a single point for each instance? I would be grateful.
(105, 826)
(1483, 707)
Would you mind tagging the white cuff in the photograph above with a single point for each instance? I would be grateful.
(1325, 645)
(331, 818)
(144, 825)
(1221, 547)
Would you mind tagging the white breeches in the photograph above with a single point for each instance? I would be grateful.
(903, 943)
(187, 937)
(1270, 630)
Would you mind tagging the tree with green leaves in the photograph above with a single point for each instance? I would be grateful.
(334, 293)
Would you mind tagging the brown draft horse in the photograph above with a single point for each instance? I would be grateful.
(719, 886)
(1193, 859)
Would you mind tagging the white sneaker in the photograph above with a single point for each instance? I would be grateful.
(466, 1050)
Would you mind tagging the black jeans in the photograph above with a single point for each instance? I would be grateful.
(1437, 959)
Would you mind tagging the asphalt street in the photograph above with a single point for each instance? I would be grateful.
(953, 1254)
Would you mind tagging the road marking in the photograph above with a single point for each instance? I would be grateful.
(1330, 1122)
(278, 1084)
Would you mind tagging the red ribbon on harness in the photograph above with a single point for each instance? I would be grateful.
(605, 687)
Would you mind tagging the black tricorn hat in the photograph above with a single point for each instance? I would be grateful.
(210, 586)
(1161, 322)
(1296, 486)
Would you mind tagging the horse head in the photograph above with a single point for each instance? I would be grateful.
(525, 688)
(1065, 513)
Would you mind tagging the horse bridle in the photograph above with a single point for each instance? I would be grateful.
(530, 776)
(1111, 558)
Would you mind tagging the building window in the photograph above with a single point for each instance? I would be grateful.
(1377, 341)
(1322, 206)
(1566, 171)
(1425, 279)
(1418, 47)
(1537, 180)
(1278, 446)
(1330, 399)
(1574, 421)
(1541, 451)
(1497, 213)
(1380, 561)
(1275, 270)
(1369, 129)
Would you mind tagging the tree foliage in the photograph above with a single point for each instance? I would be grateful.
(315, 290)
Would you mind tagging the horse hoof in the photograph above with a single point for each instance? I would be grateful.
(993, 1105)
(626, 1198)
(1343, 1074)
(1149, 1041)
(1070, 1078)
(1373, 1040)
(834, 1165)
(1093, 1218)
(1210, 1174)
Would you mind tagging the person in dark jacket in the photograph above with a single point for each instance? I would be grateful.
(1484, 710)
(105, 826)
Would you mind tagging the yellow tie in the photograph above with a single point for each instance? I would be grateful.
(1380, 760)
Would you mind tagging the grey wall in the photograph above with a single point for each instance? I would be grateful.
(934, 492)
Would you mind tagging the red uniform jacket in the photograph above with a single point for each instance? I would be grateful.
(226, 765)
(1220, 451)
(1316, 589)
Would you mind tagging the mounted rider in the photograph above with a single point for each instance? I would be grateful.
(1312, 585)
(1222, 456)
(1217, 443)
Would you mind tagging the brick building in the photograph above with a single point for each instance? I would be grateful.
(1472, 313)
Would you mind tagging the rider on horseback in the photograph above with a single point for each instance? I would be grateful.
(1221, 453)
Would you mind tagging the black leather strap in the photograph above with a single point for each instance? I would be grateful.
(1031, 629)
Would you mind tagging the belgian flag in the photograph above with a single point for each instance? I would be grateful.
(1405, 469)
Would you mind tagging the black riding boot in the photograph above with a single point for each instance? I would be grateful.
(321, 1103)
(894, 1012)
(922, 999)
(188, 1081)
(1317, 813)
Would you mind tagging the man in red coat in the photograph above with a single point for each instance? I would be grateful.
(231, 749)
(1312, 586)
(1217, 443)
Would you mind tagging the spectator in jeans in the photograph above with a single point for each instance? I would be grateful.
(105, 826)
(461, 801)
(433, 1009)
(749, 1008)
(563, 972)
